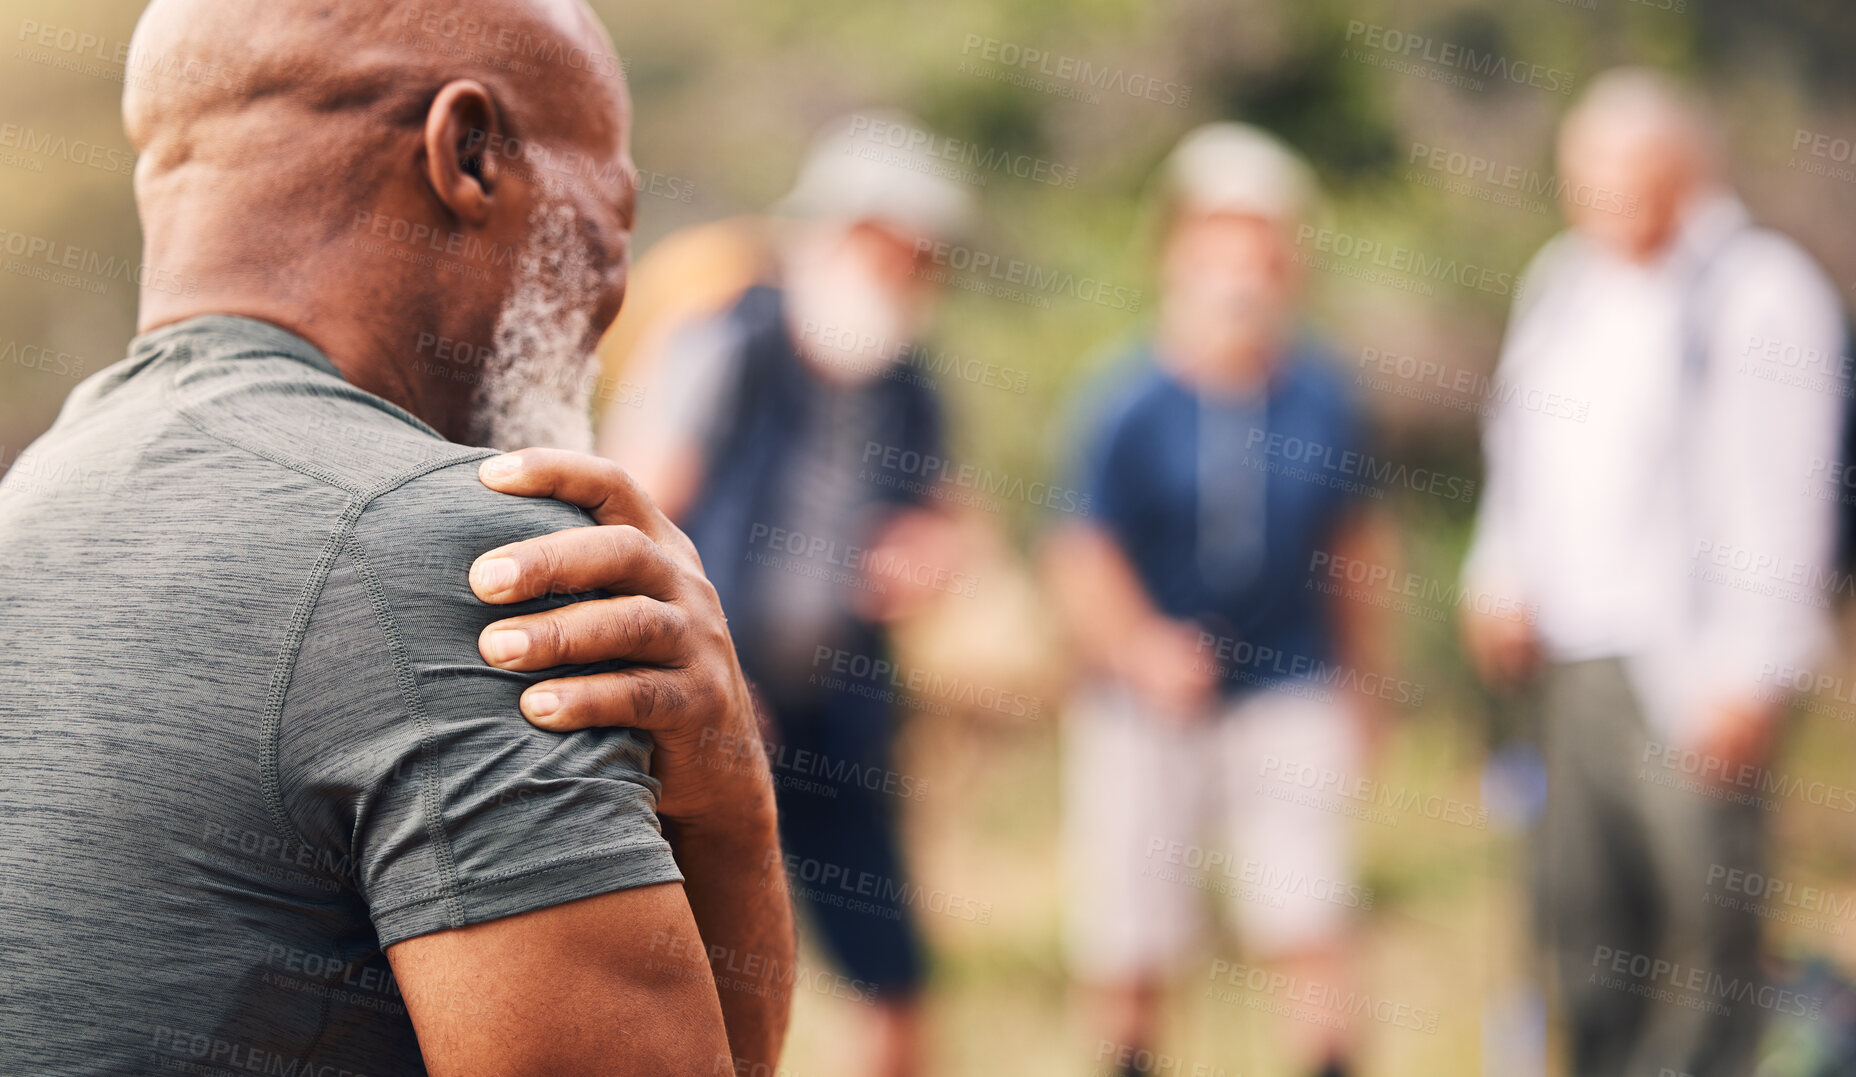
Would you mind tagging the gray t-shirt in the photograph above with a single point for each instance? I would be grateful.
(246, 740)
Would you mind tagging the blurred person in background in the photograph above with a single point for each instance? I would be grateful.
(1650, 657)
(691, 275)
(1189, 593)
(769, 427)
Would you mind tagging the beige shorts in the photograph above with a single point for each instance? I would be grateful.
(1162, 819)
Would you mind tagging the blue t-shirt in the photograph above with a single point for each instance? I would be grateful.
(1222, 506)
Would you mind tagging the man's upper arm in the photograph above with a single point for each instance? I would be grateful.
(611, 985)
(404, 758)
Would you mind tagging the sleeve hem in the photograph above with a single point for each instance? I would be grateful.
(625, 868)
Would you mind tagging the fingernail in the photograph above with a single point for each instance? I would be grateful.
(494, 574)
(500, 467)
(505, 645)
(540, 704)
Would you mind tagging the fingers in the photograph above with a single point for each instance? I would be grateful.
(630, 628)
(643, 698)
(592, 482)
(579, 559)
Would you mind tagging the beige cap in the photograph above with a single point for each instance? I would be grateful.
(884, 166)
(1236, 168)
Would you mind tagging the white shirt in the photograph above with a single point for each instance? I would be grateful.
(1672, 511)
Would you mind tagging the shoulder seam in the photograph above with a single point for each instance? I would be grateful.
(459, 454)
(414, 702)
(284, 672)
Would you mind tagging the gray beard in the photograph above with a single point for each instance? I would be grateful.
(537, 385)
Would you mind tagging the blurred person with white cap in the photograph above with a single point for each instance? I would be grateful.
(1190, 590)
(1671, 542)
(764, 417)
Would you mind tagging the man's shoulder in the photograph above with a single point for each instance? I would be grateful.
(1132, 391)
(423, 533)
(1314, 373)
(1770, 260)
(311, 423)
(263, 431)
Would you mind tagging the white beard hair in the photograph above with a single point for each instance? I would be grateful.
(537, 385)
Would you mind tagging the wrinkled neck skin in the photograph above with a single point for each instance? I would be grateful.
(382, 325)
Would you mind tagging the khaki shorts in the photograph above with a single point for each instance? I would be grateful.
(1162, 818)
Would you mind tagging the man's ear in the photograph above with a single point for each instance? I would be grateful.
(462, 136)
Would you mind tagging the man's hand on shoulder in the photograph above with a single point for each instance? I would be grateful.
(684, 684)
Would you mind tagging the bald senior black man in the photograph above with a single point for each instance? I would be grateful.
(268, 800)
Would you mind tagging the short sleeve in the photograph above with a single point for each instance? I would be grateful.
(1099, 467)
(924, 431)
(1348, 430)
(405, 760)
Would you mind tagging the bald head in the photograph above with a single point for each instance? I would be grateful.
(1633, 154)
(437, 193)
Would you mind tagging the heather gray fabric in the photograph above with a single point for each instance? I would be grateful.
(246, 740)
